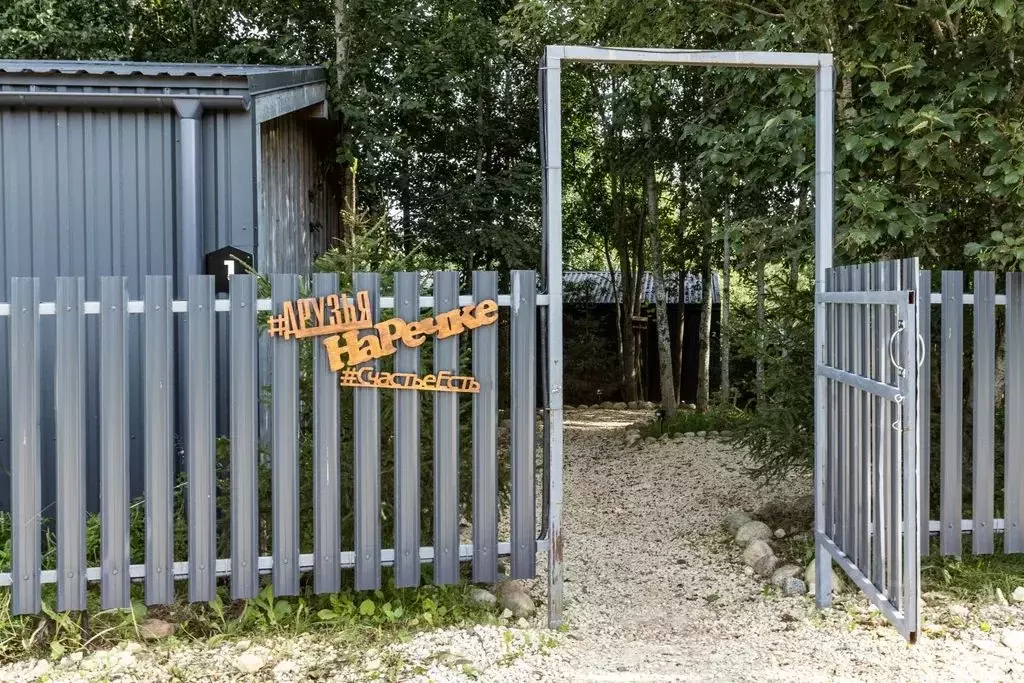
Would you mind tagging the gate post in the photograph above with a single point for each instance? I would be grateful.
(823, 145)
(551, 136)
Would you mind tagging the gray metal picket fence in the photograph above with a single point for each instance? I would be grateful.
(200, 312)
(868, 475)
(987, 309)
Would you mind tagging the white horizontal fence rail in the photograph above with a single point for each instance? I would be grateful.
(986, 308)
(211, 324)
(224, 305)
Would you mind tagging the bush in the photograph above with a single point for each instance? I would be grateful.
(779, 433)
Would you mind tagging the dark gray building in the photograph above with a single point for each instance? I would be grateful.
(139, 168)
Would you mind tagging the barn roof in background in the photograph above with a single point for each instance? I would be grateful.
(595, 286)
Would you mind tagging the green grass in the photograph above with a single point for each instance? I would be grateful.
(718, 419)
(363, 617)
(972, 577)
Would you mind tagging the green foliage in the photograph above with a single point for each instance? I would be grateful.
(719, 418)
(780, 433)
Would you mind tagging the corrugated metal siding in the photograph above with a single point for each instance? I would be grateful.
(228, 206)
(93, 193)
(298, 212)
(86, 193)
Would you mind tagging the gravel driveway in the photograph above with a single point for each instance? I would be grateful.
(653, 593)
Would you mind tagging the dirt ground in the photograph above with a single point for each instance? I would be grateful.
(654, 592)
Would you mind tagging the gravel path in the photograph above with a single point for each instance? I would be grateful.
(654, 592)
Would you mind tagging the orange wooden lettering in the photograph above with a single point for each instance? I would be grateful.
(291, 326)
(487, 312)
(335, 353)
(319, 305)
(303, 312)
(448, 324)
(389, 331)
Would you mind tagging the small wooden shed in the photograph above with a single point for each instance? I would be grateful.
(135, 169)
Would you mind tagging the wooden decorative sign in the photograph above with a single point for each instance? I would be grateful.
(352, 339)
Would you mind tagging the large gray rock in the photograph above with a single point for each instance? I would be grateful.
(793, 586)
(752, 531)
(838, 584)
(786, 571)
(734, 520)
(1017, 596)
(518, 603)
(632, 438)
(760, 557)
(619, 405)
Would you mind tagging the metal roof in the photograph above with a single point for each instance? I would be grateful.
(254, 78)
(594, 286)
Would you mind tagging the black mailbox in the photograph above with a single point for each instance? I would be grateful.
(225, 262)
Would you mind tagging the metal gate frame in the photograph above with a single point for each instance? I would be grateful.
(551, 154)
(867, 457)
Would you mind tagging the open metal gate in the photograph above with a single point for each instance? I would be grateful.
(867, 438)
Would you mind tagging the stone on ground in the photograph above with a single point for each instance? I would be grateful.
(752, 531)
(249, 663)
(1017, 596)
(793, 586)
(155, 629)
(760, 557)
(632, 438)
(518, 603)
(1013, 640)
(734, 520)
(1000, 598)
(780, 533)
(960, 611)
(838, 584)
(481, 596)
(786, 571)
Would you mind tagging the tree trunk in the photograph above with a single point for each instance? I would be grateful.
(617, 299)
(668, 391)
(759, 361)
(681, 329)
(628, 365)
(706, 302)
(725, 389)
(348, 171)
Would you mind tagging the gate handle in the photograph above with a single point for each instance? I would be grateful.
(920, 350)
(900, 327)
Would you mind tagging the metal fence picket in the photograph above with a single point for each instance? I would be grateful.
(407, 442)
(25, 446)
(114, 501)
(69, 394)
(524, 422)
(366, 416)
(158, 421)
(446, 441)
